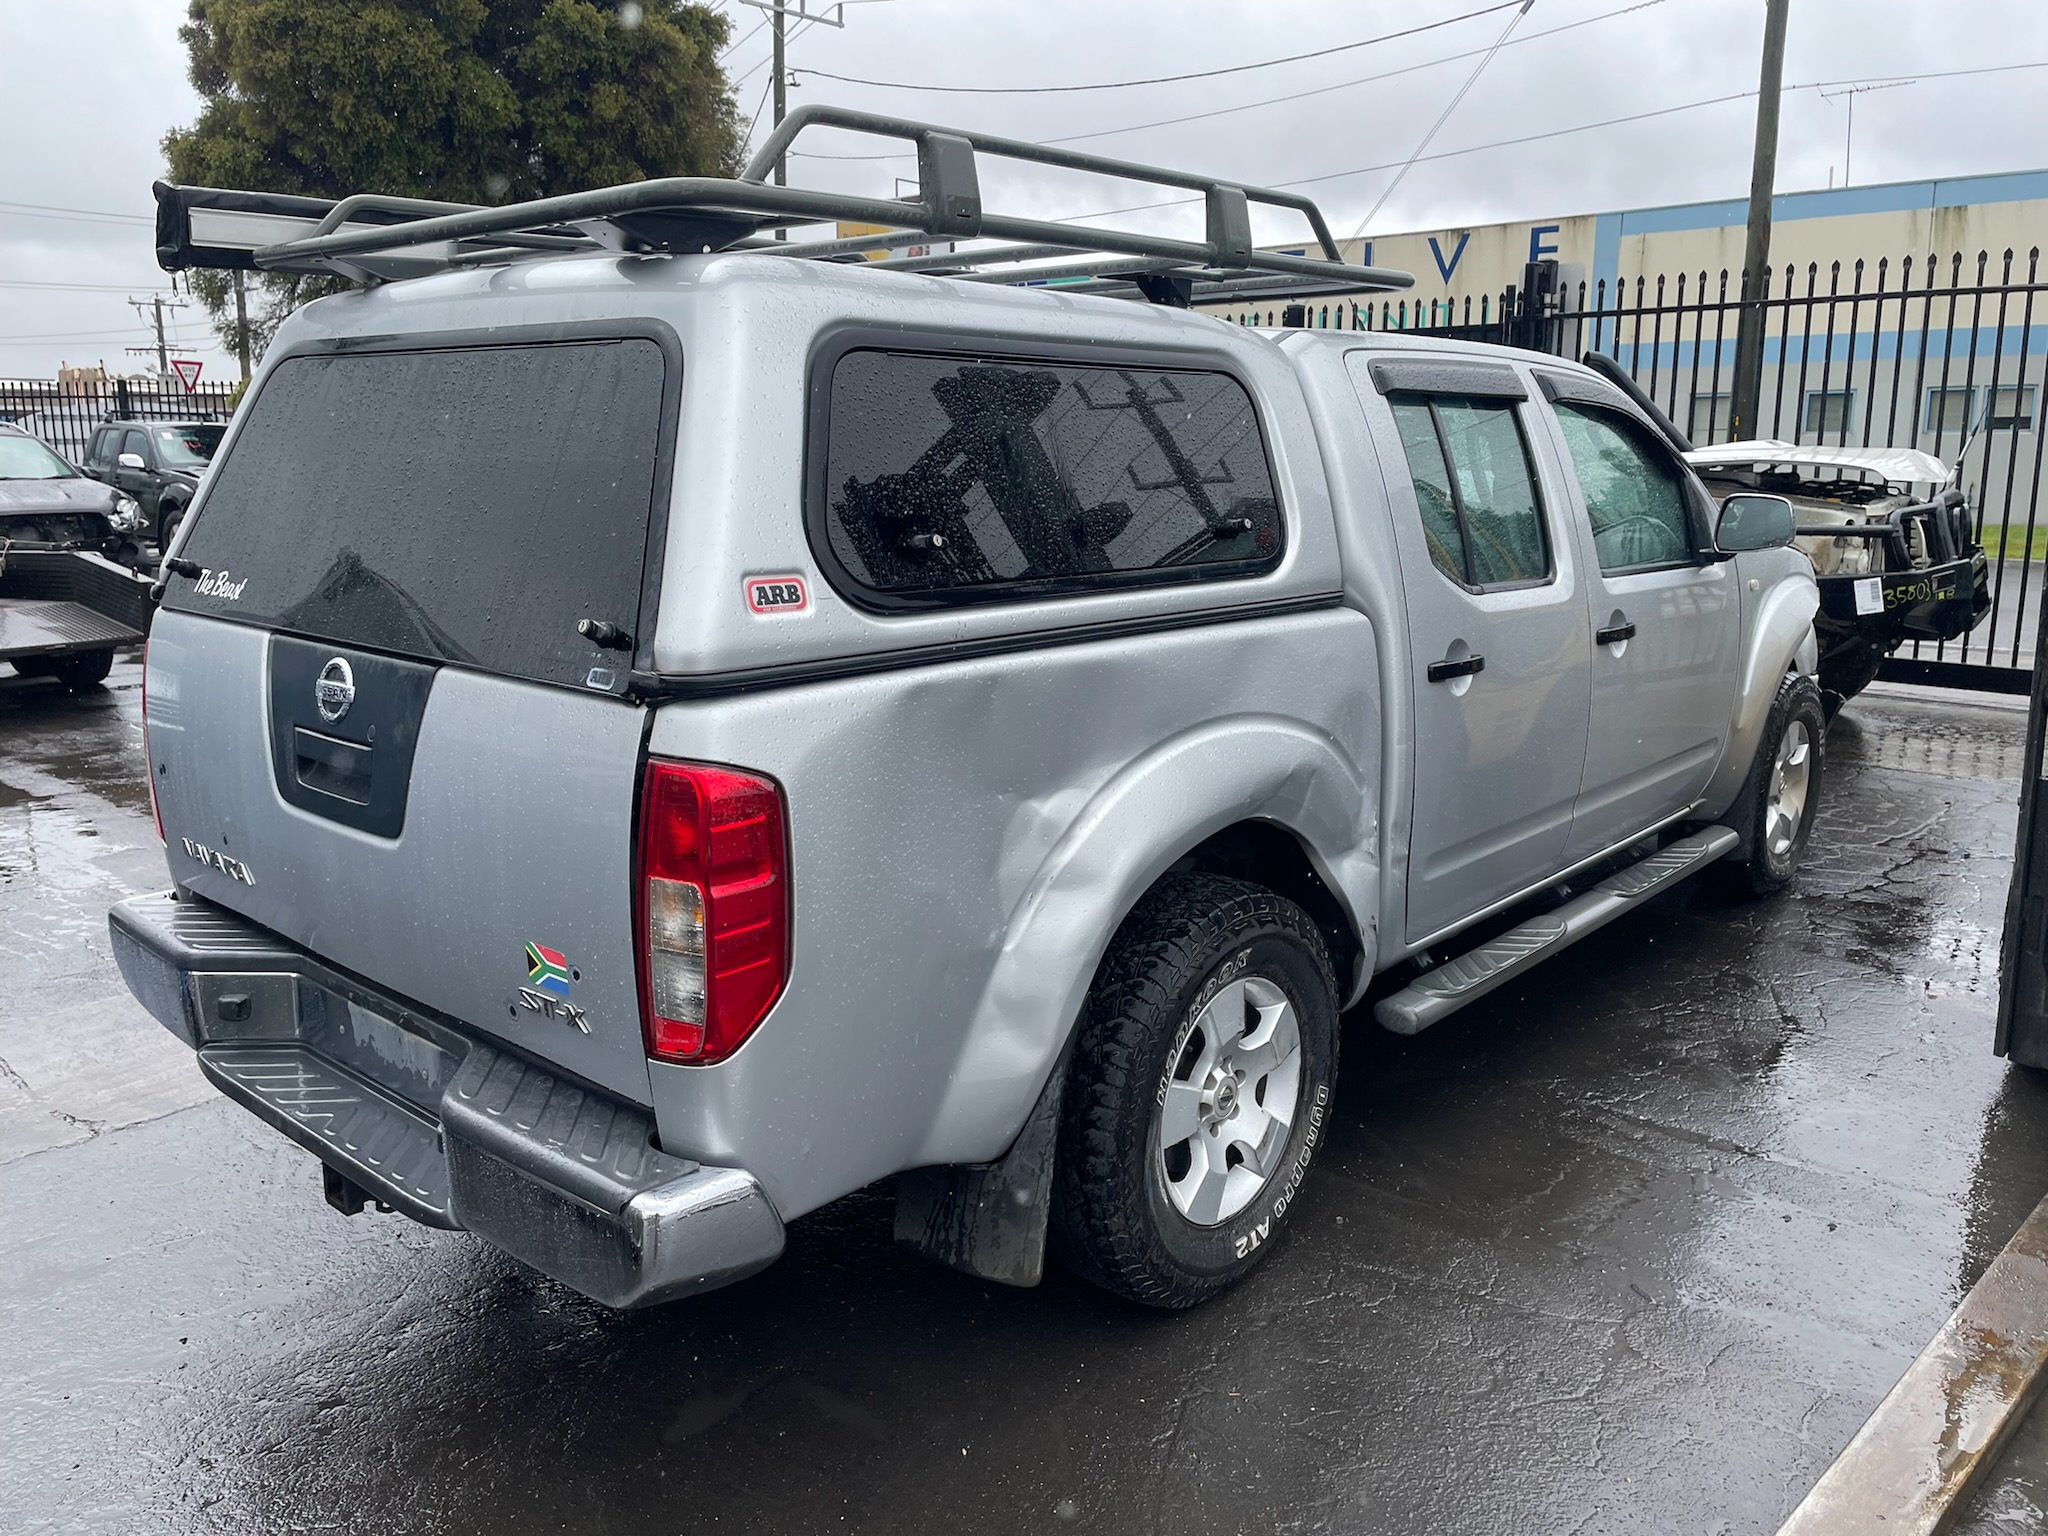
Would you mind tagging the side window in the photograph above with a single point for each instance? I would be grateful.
(1633, 494)
(100, 452)
(952, 479)
(136, 442)
(1475, 488)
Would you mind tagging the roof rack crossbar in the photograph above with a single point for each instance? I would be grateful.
(818, 115)
(374, 237)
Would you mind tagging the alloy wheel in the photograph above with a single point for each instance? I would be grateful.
(1223, 1126)
(1791, 776)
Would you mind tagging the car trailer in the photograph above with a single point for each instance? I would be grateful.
(64, 612)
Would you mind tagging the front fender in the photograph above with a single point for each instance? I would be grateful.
(1128, 834)
(1777, 626)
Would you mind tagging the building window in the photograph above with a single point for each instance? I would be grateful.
(1952, 410)
(1711, 416)
(1948, 410)
(1829, 410)
(2012, 408)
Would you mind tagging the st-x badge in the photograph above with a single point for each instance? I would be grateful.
(335, 691)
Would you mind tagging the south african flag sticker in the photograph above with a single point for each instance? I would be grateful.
(547, 969)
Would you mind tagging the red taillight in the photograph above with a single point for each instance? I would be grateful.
(148, 757)
(712, 926)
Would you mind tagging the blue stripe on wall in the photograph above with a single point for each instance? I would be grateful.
(1811, 350)
(1607, 251)
(1890, 197)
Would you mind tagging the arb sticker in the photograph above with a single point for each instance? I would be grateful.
(777, 594)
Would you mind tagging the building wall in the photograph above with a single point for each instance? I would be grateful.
(1909, 369)
(1887, 222)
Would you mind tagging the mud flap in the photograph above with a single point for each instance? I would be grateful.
(989, 1219)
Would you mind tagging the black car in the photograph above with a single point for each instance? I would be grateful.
(156, 462)
(45, 504)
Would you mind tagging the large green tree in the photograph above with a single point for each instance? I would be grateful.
(464, 100)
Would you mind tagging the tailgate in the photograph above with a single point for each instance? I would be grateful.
(375, 726)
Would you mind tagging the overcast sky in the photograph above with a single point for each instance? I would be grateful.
(88, 88)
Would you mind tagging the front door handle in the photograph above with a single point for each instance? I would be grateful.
(1444, 671)
(1614, 634)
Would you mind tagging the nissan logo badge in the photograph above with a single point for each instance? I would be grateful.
(335, 691)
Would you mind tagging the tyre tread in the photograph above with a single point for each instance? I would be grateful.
(1174, 931)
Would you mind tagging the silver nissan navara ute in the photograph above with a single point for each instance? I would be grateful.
(657, 727)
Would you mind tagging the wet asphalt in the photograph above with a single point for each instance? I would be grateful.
(1634, 1245)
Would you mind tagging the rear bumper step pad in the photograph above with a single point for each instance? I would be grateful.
(561, 1176)
(379, 1144)
(1441, 992)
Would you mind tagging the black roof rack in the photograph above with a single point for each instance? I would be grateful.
(373, 238)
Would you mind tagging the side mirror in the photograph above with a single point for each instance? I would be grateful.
(131, 461)
(1754, 522)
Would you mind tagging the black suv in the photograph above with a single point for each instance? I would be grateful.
(158, 463)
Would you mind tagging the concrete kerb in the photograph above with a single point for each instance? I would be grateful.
(1911, 1467)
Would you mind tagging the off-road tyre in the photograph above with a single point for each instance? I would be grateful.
(1114, 1220)
(1771, 858)
(167, 525)
(81, 669)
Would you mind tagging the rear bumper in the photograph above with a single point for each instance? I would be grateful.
(434, 1122)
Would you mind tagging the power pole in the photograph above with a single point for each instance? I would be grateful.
(777, 10)
(1756, 253)
(781, 105)
(242, 324)
(152, 310)
(781, 94)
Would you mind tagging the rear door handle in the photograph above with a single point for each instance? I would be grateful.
(1444, 671)
(1614, 634)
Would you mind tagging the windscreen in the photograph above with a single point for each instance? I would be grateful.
(23, 458)
(468, 505)
(188, 447)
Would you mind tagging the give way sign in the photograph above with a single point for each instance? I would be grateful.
(187, 370)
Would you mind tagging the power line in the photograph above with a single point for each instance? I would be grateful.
(740, 79)
(90, 215)
(126, 330)
(740, 42)
(1555, 133)
(1292, 96)
(1443, 117)
(1200, 74)
(19, 282)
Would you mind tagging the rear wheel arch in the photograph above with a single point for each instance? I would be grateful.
(1184, 800)
(1274, 856)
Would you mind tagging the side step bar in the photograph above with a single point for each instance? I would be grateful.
(1472, 975)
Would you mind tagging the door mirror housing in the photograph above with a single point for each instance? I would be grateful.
(1754, 522)
(131, 461)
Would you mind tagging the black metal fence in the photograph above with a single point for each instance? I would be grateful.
(64, 415)
(1946, 354)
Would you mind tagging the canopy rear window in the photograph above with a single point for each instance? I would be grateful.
(467, 505)
(952, 478)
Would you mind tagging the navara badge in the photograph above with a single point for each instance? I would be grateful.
(336, 690)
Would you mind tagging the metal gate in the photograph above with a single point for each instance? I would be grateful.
(64, 415)
(1946, 354)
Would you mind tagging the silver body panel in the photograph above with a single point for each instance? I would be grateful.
(1500, 754)
(519, 830)
(967, 831)
(966, 838)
